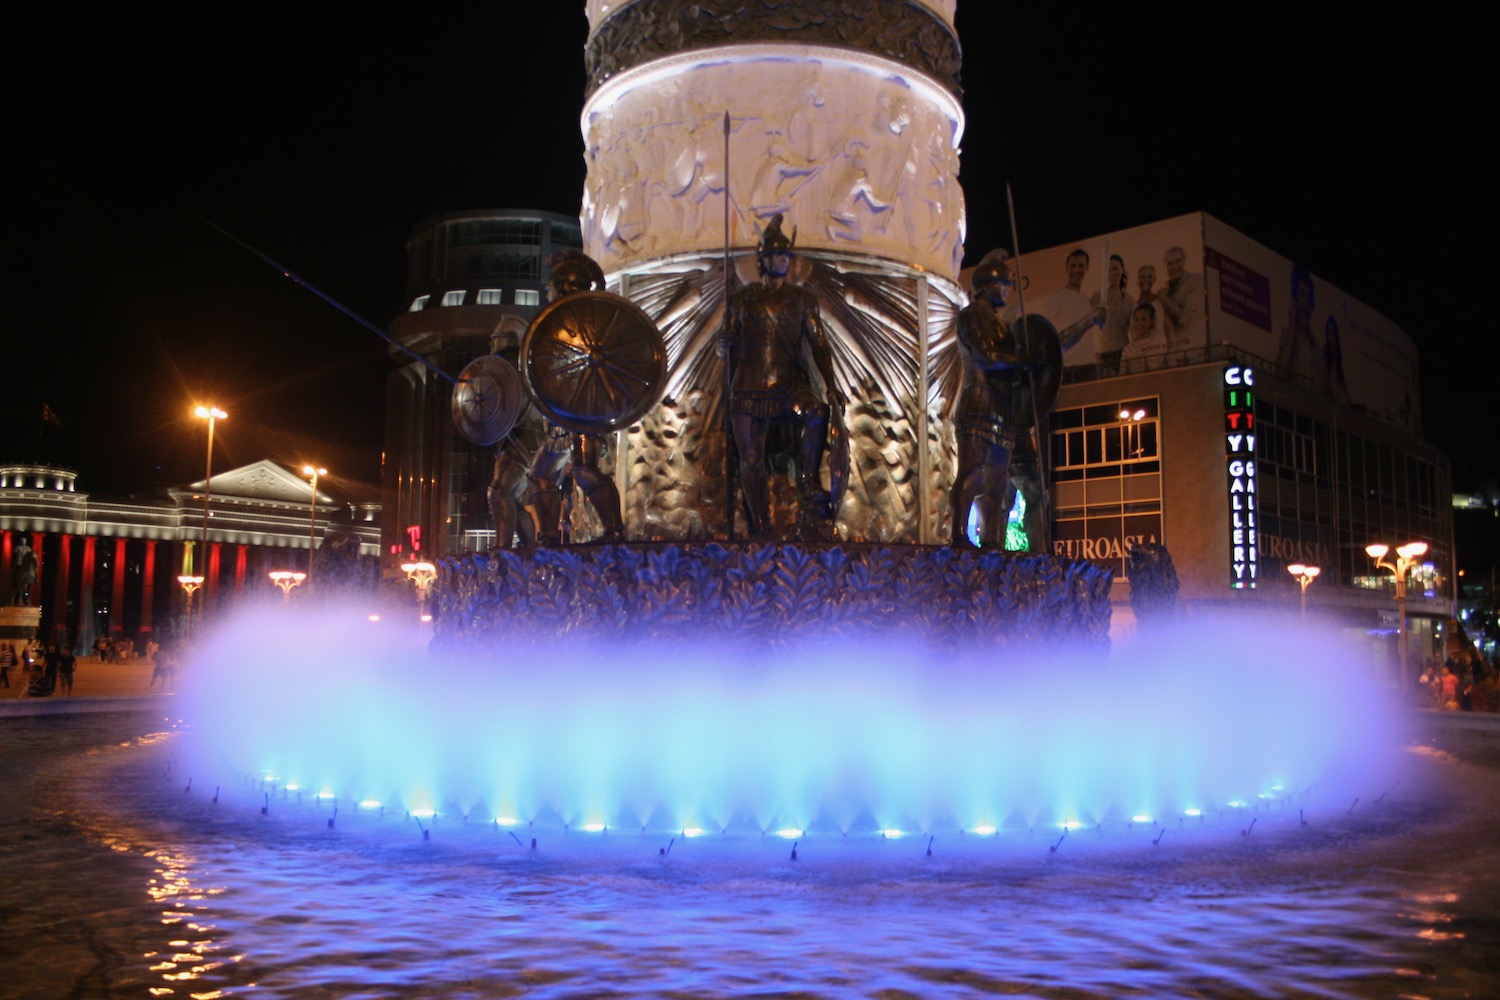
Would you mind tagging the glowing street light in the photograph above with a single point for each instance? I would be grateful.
(312, 514)
(212, 414)
(1304, 575)
(286, 579)
(1408, 557)
(422, 574)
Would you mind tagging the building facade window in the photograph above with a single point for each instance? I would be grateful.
(1106, 474)
(419, 303)
(455, 298)
(490, 297)
(528, 297)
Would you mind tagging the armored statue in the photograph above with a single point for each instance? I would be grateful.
(982, 418)
(515, 497)
(767, 325)
(577, 454)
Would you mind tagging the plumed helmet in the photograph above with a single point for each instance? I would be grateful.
(773, 240)
(994, 264)
(575, 271)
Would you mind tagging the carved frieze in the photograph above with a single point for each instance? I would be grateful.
(911, 33)
(771, 594)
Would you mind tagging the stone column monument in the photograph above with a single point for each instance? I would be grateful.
(844, 117)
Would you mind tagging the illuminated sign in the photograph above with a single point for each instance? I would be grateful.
(1239, 452)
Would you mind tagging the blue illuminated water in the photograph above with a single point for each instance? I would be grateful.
(122, 882)
(843, 738)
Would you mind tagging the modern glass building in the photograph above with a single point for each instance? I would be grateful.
(466, 271)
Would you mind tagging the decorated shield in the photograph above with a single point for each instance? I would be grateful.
(487, 400)
(1034, 393)
(593, 362)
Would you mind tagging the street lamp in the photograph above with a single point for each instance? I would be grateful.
(1407, 557)
(1304, 575)
(286, 579)
(422, 574)
(312, 514)
(211, 414)
(190, 584)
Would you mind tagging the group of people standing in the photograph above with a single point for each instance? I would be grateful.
(1139, 326)
(43, 671)
(1462, 685)
(46, 670)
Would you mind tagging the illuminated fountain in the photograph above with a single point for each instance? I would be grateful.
(818, 739)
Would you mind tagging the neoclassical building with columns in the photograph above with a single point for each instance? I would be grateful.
(109, 565)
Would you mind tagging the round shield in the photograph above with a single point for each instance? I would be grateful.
(1036, 340)
(593, 362)
(487, 400)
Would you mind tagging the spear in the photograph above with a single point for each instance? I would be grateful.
(729, 449)
(1036, 418)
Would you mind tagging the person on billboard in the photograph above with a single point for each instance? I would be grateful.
(1331, 384)
(1069, 307)
(1182, 304)
(1119, 306)
(1146, 340)
(1297, 352)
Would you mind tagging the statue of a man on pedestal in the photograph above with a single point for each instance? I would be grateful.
(767, 326)
(23, 573)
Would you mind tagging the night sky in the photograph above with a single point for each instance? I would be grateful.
(1350, 146)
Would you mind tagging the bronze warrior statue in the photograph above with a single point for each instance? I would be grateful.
(561, 453)
(765, 329)
(513, 495)
(992, 369)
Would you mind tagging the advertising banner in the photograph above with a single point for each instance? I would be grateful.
(1149, 281)
(1203, 283)
(1308, 329)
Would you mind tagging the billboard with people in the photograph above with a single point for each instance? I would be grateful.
(1129, 298)
(1161, 293)
(1310, 330)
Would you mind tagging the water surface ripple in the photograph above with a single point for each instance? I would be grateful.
(121, 882)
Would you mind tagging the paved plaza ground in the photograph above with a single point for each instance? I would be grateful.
(92, 680)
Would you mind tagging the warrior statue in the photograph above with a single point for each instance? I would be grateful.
(562, 453)
(513, 494)
(767, 325)
(982, 417)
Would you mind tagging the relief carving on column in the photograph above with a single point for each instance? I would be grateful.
(911, 33)
(857, 164)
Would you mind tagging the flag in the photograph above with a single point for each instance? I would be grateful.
(49, 416)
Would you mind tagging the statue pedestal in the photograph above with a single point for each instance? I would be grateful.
(19, 622)
(772, 594)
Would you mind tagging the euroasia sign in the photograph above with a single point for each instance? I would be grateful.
(1239, 453)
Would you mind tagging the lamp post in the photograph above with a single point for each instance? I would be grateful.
(212, 414)
(190, 584)
(286, 579)
(422, 574)
(1304, 575)
(1407, 557)
(312, 515)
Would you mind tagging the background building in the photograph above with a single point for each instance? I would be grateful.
(1276, 421)
(465, 271)
(109, 565)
